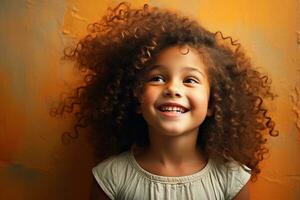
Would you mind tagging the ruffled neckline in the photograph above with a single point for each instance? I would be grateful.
(169, 179)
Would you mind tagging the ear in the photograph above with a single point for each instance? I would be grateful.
(209, 112)
(137, 95)
(138, 109)
(210, 107)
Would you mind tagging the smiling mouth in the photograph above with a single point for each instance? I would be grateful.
(172, 109)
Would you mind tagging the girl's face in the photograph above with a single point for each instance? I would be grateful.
(174, 99)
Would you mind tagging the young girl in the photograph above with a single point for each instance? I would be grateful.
(179, 112)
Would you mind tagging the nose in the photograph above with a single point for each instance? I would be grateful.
(172, 90)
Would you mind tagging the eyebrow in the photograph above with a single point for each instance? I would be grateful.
(187, 68)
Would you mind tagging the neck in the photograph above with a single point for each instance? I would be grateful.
(174, 150)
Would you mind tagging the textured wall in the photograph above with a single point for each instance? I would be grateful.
(33, 162)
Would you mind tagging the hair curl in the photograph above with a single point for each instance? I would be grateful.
(116, 52)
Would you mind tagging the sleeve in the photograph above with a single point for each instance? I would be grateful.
(105, 174)
(238, 176)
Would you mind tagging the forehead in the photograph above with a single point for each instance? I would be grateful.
(179, 57)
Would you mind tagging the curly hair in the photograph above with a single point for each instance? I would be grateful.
(118, 49)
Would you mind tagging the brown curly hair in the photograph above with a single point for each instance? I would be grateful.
(118, 49)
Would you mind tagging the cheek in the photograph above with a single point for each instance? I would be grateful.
(199, 100)
(149, 96)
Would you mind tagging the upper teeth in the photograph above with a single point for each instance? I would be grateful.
(172, 109)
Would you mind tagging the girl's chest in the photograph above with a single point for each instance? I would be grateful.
(143, 188)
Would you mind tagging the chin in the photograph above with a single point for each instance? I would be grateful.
(172, 132)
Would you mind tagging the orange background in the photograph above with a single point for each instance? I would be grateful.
(35, 165)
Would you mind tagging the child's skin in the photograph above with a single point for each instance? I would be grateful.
(178, 78)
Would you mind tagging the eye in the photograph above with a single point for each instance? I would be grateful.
(191, 80)
(157, 78)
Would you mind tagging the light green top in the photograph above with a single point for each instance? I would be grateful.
(121, 177)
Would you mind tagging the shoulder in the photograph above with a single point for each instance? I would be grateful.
(112, 163)
(234, 175)
(108, 173)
